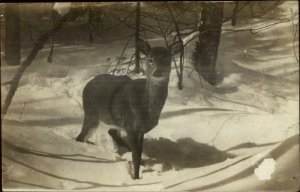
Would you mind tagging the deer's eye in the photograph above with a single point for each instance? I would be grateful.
(150, 61)
(157, 73)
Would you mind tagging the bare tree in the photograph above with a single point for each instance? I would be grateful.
(137, 37)
(206, 51)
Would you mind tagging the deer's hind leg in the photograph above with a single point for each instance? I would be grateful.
(118, 139)
(90, 124)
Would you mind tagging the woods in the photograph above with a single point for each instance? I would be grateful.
(209, 27)
(200, 73)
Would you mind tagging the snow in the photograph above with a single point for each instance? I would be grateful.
(208, 138)
(62, 8)
(265, 169)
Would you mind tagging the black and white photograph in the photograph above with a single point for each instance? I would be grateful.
(150, 96)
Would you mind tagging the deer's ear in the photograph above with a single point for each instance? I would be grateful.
(175, 47)
(144, 46)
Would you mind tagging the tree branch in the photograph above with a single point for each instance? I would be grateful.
(295, 31)
(116, 25)
(180, 78)
(6, 83)
(123, 51)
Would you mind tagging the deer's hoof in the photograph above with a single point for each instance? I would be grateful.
(79, 139)
(131, 171)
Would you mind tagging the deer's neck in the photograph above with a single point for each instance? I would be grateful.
(156, 94)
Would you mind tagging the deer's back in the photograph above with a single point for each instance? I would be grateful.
(108, 97)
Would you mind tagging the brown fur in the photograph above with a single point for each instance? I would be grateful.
(134, 105)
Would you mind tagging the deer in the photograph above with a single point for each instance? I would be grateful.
(134, 105)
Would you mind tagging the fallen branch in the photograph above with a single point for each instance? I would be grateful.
(277, 95)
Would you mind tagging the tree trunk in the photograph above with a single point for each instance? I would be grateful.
(206, 51)
(90, 22)
(235, 11)
(137, 37)
(12, 34)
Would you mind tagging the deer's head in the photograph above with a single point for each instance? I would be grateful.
(159, 60)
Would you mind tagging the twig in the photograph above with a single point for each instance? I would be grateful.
(239, 103)
(122, 54)
(259, 29)
(262, 7)
(142, 27)
(287, 130)
(116, 39)
(283, 96)
(23, 109)
(219, 130)
(150, 30)
(239, 10)
(160, 19)
(166, 42)
(116, 25)
(129, 64)
(278, 2)
(49, 59)
(181, 49)
(190, 73)
(294, 40)
(162, 31)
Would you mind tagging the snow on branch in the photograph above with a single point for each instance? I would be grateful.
(62, 8)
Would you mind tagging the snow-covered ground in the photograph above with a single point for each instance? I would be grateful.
(208, 138)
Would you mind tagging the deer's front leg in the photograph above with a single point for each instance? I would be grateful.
(141, 142)
(135, 146)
